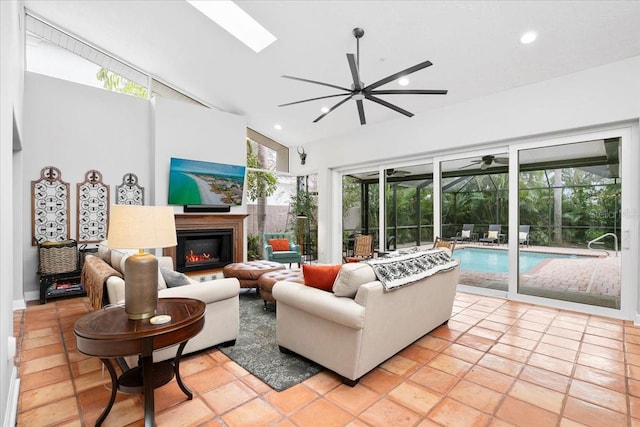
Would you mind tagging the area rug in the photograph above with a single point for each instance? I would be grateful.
(256, 349)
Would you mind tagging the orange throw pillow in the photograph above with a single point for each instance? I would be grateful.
(279, 244)
(320, 276)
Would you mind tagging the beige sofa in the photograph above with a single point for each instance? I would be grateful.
(222, 316)
(351, 336)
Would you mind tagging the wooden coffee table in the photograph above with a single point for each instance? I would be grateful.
(109, 333)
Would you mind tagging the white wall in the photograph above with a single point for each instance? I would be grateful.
(11, 85)
(190, 131)
(78, 128)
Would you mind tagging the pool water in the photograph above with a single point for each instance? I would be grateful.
(497, 261)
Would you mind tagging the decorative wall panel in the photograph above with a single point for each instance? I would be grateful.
(93, 208)
(49, 207)
(129, 192)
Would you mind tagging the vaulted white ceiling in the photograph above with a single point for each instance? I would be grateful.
(474, 46)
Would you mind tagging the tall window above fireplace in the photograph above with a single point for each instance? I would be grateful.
(204, 249)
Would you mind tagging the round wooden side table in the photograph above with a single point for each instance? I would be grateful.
(108, 333)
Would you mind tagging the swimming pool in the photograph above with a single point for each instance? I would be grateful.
(497, 261)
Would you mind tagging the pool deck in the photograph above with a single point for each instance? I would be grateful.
(595, 279)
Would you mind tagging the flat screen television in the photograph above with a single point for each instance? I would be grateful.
(198, 183)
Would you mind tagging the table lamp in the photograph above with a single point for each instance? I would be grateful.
(132, 226)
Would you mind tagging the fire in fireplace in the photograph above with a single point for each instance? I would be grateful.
(204, 249)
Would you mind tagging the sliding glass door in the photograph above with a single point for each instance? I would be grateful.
(408, 206)
(475, 211)
(570, 222)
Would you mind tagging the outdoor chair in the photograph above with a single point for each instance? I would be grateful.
(493, 235)
(523, 235)
(466, 233)
(439, 242)
(362, 249)
(279, 247)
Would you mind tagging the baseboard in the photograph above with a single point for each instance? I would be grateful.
(32, 296)
(19, 304)
(12, 400)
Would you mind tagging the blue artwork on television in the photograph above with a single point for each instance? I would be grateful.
(194, 182)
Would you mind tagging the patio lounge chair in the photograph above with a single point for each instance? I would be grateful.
(466, 233)
(523, 234)
(493, 235)
(439, 242)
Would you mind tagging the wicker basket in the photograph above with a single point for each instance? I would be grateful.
(58, 257)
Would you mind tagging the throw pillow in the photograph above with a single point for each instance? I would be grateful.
(351, 277)
(492, 235)
(466, 234)
(523, 235)
(174, 278)
(320, 276)
(279, 244)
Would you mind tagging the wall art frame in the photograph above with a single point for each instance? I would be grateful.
(92, 208)
(130, 192)
(49, 207)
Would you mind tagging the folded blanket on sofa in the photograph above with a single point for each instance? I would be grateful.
(403, 270)
(95, 273)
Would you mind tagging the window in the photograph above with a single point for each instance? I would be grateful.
(57, 53)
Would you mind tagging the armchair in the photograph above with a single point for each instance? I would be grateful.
(279, 247)
(362, 249)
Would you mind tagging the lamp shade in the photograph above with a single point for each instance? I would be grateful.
(140, 227)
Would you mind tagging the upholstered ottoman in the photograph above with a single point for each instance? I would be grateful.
(267, 280)
(249, 272)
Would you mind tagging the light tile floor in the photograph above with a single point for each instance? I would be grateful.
(496, 363)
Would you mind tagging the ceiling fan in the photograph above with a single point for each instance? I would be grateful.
(488, 160)
(359, 91)
(393, 173)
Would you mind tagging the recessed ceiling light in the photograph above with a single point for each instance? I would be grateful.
(528, 37)
(324, 110)
(403, 81)
(236, 21)
(277, 126)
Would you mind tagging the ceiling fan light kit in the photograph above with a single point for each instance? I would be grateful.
(488, 161)
(359, 92)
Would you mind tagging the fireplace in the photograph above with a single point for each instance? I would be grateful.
(222, 230)
(204, 249)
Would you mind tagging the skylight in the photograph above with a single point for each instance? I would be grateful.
(236, 21)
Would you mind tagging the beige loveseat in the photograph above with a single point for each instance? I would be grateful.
(222, 316)
(352, 335)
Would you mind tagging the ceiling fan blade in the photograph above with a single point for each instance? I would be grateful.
(408, 92)
(316, 82)
(311, 99)
(363, 121)
(333, 108)
(355, 73)
(501, 160)
(473, 163)
(397, 75)
(388, 105)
